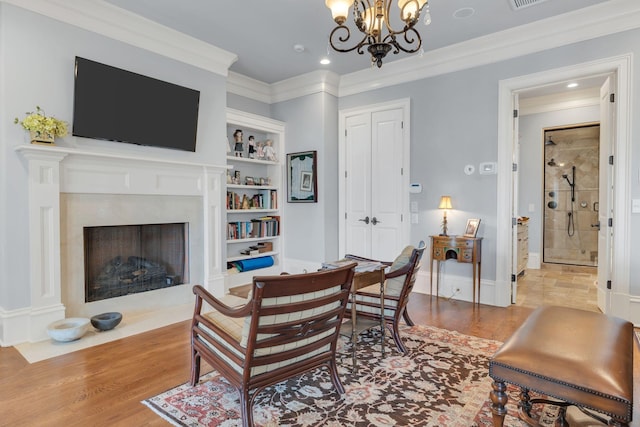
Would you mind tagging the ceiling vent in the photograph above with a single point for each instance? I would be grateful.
(521, 4)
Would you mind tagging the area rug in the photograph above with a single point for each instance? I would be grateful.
(442, 382)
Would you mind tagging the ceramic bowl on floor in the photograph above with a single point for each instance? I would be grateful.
(106, 321)
(69, 329)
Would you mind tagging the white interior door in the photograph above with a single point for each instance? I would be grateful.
(357, 185)
(386, 184)
(605, 200)
(374, 188)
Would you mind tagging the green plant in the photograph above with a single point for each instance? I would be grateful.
(39, 123)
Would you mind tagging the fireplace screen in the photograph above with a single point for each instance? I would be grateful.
(127, 259)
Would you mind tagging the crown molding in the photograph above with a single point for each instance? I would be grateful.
(588, 23)
(103, 18)
(295, 87)
(306, 84)
(559, 101)
(242, 85)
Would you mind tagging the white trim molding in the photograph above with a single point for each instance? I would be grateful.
(111, 21)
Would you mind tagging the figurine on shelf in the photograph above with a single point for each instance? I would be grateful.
(269, 151)
(245, 202)
(229, 179)
(252, 147)
(239, 145)
(260, 151)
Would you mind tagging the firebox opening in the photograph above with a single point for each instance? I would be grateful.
(127, 259)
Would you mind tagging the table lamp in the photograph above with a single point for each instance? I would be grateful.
(445, 203)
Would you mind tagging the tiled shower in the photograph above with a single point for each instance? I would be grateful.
(571, 159)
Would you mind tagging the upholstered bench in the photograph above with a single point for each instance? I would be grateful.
(579, 357)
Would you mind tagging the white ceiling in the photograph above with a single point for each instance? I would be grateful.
(263, 32)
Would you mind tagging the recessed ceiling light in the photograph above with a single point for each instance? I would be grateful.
(572, 85)
(464, 12)
(325, 61)
(298, 48)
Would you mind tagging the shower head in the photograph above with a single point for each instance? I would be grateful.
(549, 141)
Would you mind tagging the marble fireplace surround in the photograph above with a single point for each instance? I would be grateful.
(71, 188)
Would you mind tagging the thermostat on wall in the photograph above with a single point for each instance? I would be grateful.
(415, 188)
(487, 168)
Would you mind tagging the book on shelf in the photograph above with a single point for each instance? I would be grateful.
(264, 199)
(268, 226)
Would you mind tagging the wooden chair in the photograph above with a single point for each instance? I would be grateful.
(289, 325)
(398, 285)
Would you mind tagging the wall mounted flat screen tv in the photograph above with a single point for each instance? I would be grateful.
(119, 105)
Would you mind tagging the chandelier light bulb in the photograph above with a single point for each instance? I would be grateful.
(370, 29)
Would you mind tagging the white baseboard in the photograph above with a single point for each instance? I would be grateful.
(450, 283)
(27, 324)
(534, 261)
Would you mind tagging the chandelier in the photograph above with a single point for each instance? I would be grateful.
(373, 20)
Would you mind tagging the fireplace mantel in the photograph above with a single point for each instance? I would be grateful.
(54, 170)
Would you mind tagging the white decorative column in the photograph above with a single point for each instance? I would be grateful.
(44, 241)
(213, 230)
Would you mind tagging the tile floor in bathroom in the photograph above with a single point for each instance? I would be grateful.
(557, 284)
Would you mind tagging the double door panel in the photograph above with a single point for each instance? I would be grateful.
(374, 161)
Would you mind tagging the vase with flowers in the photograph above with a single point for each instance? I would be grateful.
(43, 129)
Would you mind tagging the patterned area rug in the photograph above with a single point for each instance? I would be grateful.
(443, 382)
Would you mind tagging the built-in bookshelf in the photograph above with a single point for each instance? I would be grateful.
(254, 190)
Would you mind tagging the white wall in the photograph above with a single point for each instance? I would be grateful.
(36, 68)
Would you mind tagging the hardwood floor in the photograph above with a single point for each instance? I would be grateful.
(103, 385)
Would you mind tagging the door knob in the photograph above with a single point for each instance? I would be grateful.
(365, 220)
(375, 221)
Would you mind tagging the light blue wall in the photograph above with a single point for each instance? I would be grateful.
(531, 165)
(312, 228)
(36, 68)
(248, 105)
(454, 122)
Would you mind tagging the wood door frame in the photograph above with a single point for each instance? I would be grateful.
(621, 67)
(404, 104)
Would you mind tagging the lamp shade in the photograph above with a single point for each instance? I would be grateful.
(445, 202)
(409, 8)
(339, 9)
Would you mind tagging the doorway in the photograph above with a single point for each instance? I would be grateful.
(614, 294)
(571, 195)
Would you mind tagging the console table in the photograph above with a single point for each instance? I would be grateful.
(460, 249)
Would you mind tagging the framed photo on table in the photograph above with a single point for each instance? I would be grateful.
(302, 183)
(472, 228)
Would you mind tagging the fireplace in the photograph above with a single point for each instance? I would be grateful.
(128, 259)
(71, 190)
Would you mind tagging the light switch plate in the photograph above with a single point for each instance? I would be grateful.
(488, 168)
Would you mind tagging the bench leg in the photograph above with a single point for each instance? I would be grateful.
(499, 399)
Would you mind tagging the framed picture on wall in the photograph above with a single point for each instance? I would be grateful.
(472, 228)
(302, 184)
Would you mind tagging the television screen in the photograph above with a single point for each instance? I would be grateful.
(119, 105)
